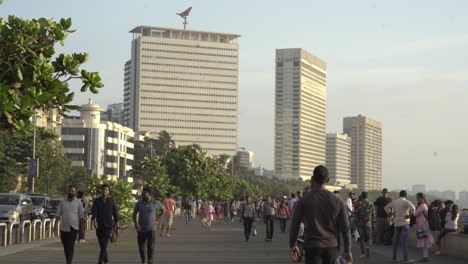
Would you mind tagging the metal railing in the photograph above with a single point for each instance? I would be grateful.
(36, 223)
(10, 231)
(5, 234)
(23, 225)
(46, 232)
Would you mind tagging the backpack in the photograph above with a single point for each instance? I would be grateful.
(434, 220)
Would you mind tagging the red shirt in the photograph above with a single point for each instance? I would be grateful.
(169, 206)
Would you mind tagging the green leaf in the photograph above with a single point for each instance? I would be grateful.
(19, 74)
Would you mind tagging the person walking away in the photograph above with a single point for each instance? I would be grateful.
(187, 207)
(248, 216)
(291, 202)
(283, 215)
(329, 217)
(450, 226)
(423, 232)
(168, 216)
(364, 219)
(269, 209)
(202, 213)
(382, 221)
(69, 212)
(105, 217)
(401, 210)
(219, 211)
(194, 210)
(82, 232)
(146, 213)
(226, 212)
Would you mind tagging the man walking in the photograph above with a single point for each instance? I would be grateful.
(401, 210)
(364, 219)
(168, 217)
(104, 217)
(146, 209)
(248, 216)
(70, 212)
(325, 216)
(382, 221)
(269, 210)
(81, 235)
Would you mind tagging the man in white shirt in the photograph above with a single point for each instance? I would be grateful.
(401, 210)
(291, 202)
(349, 204)
(69, 211)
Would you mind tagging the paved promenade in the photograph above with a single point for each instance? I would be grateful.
(189, 244)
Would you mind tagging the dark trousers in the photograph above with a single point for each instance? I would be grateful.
(103, 235)
(82, 232)
(248, 222)
(270, 225)
(321, 255)
(146, 237)
(68, 241)
(283, 224)
(365, 240)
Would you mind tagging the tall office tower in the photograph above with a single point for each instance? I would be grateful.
(300, 113)
(339, 159)
(366, 151)
(114, 113)
(184, 82)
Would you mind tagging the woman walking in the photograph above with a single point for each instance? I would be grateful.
(451, 225)
(209, 213)
(423, 233)
(283, 215)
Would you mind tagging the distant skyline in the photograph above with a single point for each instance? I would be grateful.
(402, 63)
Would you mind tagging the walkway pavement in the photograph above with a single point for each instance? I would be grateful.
(189, 244)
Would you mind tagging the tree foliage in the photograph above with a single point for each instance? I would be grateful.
(32, 76)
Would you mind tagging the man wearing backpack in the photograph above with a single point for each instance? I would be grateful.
(364, 219)
(248, 216)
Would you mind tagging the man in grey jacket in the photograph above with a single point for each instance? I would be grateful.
(248, 216)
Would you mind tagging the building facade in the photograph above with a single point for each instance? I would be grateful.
(246, 158)
(102, 147)
(114, 113)
(366, 151)
(300, 113)
(184, 82)
(418, 188)
(339, 159)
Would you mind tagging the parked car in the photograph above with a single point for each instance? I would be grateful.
(39, 203)
(15, 207)
(51, 208)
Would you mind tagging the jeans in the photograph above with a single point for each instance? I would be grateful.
(365, 240)
(68, 241)
(442, 234)
(82, 232)
(103, 235)
(401, 236)
(283, 224)
(187, 216)
(270, 225)
(321, 255)
(248, 221)
(146, 237)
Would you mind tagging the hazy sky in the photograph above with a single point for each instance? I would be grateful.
(404, 63)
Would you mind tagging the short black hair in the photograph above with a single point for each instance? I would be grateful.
(336, 192)
(168, 195)
(146, 190)
(79, 194)
(403, 193)
(320, 175)
(105, 185)
(71, 186)
(293, 195)
(364, 195)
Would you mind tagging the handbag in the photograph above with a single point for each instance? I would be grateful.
(421, 233)
(254, 231)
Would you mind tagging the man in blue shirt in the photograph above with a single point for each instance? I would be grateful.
(146, 209)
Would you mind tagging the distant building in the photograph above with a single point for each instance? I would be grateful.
(51, 120)
(444, 195)
(103, 147)
(114, 113)
(366, 151)
(463, 199)
(186, 83)
(246, 158)
(419, 188)
(300, 113)
(339, 159)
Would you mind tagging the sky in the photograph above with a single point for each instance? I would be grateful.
(403, 63)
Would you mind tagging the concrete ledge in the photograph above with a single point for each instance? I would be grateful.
(453, 244)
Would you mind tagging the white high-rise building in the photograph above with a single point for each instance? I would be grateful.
(339, 159)
(300, 113)
(246, 158)
(184, 82)
(103, 147)
(366, 151)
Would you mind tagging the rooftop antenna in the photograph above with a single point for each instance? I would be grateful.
(184, 15)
